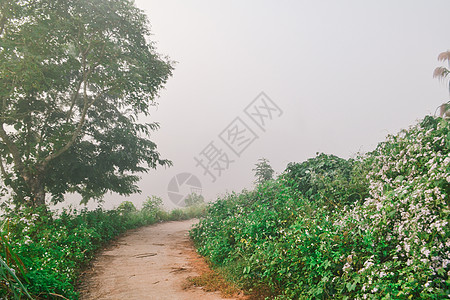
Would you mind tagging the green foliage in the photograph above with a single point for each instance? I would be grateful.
(177, 214)
(330, 180)
(54, 249)
(153, 204)
(371, 228)
(126, 207)
(74, 77)
(194, 199)
(195, 211)
(10, 283)
(263, 171)
(48, 251)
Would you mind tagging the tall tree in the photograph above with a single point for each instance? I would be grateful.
(263, 171)
(75, 75)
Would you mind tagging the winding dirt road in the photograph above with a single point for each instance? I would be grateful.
(152, 262)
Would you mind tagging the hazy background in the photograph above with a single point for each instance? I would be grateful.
(345, 74)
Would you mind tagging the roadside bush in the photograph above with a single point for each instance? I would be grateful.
(126, 207)
(195, 211)
(46, 251)
(371, 228)
(330, 180)
(194, 199)
(177, 215)
(152, 205)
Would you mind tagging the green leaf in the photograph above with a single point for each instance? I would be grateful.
(65, 140)
(399, 178)
(351, 286)
(326, 264)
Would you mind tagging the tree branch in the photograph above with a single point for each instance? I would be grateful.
(5, 175)
(2, 24)
(3, 20)
(77, 131)
(13, 84)
(87, 103)
(14, 152)
(73, 100)
(2, 168)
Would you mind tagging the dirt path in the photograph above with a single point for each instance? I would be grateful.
(153, 262)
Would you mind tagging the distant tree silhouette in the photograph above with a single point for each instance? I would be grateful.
(263, 171)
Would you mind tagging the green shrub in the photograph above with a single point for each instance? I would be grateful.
(371, 228)
(152, 205)
(331, 180)
(177, 214)
(195, 211)
(194, 199)
(126, 207)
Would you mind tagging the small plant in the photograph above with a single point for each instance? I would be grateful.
(152, 205)
(126, 207)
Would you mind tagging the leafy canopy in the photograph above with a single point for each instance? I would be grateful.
(75, 75)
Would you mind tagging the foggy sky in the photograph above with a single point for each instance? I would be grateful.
(344, 73)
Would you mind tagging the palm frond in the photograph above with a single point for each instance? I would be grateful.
(440, 72)
(444, 56)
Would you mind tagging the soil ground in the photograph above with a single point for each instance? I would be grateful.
(152, 262)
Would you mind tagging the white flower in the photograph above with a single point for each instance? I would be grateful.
(347, 267)
(425, 252)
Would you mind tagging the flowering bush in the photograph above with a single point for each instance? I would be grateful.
(307, 235)
(405, 218)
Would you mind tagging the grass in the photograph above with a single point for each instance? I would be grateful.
(43, 254)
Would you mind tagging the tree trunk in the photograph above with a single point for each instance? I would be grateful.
(38, 194)
(37, 188)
